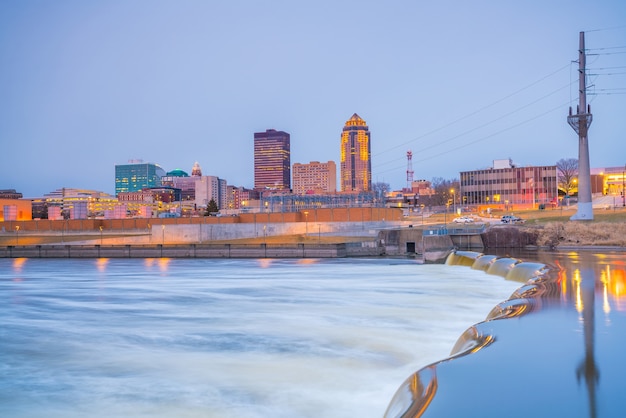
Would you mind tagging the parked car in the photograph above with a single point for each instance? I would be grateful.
(463, 220)
(511, 219)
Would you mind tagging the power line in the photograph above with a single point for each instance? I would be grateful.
(608, 53)
(599, 74)
(484, 124)
(559, 107)
(605, 48)
(404, 144)
(606, 68)
(604, 51)
(605, 29)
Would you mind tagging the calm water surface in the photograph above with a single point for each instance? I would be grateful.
(556, 352)
(223, 338)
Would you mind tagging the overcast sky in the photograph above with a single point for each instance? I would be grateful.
(85, 85)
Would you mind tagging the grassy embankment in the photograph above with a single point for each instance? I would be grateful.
(553, 226)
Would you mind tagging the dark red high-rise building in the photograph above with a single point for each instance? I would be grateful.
(272, 160)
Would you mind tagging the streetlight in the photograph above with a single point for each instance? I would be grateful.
(623, 191)
(163, 236)
(101, 235)
(306, 222)
(453, 200)
(319, 234)
(17, 234)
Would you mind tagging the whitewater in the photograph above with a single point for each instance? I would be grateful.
(223, 338)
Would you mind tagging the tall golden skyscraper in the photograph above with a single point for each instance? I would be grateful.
(356, 164)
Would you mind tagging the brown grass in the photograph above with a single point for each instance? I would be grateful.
(554, 227)
(592, 233)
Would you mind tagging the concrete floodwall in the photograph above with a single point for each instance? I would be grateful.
(192, 251)
(206, 233)
(308, 216)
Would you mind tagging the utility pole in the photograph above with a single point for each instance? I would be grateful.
(580, 123)
(623, 184)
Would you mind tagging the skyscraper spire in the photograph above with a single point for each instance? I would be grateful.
(196, 171)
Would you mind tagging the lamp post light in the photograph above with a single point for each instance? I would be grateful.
(163, 235)
(306, 222)
(453, 201)
(623, 191)
(17, 234)
(319, 234)
(101, 235)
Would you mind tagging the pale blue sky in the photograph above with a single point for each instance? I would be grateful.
(85, 85)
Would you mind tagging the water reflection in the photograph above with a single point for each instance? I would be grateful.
(101, 264)
(546, 337)
(162, 263)
(18, 265)
(588, 368)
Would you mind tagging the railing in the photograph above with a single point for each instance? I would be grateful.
(464, 230)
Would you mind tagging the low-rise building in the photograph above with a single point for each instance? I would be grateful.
(507, 185)
(314, 177)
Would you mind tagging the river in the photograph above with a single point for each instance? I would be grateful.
(224, 338)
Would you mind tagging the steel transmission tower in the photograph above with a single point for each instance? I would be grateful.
(580, 123)
(409, 170)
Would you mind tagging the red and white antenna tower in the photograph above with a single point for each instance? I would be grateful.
(409, 169)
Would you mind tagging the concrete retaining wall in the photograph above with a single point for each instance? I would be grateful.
(200, 233)
(194, 251)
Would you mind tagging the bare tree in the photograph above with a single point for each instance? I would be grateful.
(444, 190)
(380, 190)
(567, 172)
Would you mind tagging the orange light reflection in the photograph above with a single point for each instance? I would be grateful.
(265, 262)
(308, 261)
(101, 264)
(164, 263)
(579, 300)
(616, 287)
(18, 264)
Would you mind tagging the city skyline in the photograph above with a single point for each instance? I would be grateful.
(86, 86)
